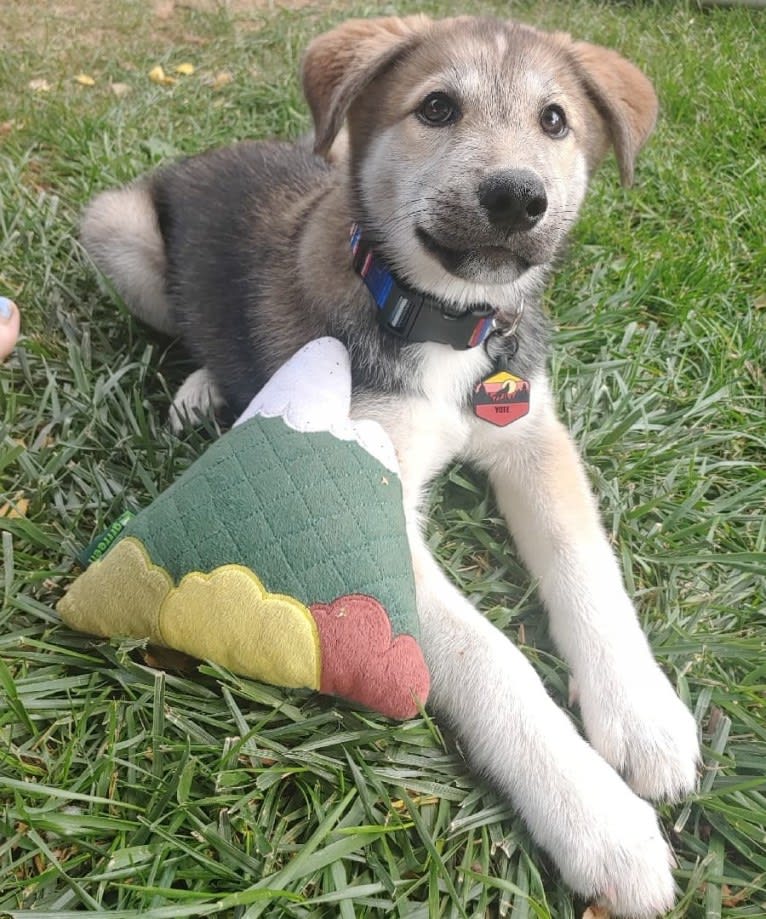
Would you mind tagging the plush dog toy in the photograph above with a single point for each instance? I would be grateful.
(281, 553)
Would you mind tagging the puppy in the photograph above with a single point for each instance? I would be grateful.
(422, 238)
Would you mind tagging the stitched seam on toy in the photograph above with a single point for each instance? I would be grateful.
(267, 523)
(220, 530)
(307, 510)
(363, 536)
(332, 563)
(385, 582)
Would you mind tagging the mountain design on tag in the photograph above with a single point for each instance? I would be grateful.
(501, 398)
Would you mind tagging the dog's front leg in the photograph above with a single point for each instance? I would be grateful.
(630, 711)
(604, 839)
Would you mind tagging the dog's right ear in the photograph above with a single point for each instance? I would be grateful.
(338, 65)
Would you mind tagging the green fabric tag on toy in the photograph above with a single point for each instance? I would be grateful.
(104, 541)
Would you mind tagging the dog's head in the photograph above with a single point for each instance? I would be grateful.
(472, 140)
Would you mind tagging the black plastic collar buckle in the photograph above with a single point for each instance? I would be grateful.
(411, 317)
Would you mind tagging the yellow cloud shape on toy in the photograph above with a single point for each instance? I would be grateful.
(229, 617)
(120, 594)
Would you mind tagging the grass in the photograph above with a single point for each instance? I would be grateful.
(127, 790)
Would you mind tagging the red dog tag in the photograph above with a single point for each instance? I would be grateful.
(501, 398)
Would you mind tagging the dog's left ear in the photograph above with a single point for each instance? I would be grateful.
(624, 98)
(338, 65)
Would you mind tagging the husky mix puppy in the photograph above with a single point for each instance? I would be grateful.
(449, 164)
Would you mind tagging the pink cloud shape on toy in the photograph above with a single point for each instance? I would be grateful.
(361, 662)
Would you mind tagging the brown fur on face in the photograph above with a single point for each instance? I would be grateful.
(339, 65)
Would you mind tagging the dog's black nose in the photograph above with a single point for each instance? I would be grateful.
(515, 200)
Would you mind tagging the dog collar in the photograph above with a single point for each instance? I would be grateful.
(416, 317)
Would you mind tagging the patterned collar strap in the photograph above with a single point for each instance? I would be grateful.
(412, 316)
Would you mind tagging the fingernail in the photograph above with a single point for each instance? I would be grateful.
(6, 309)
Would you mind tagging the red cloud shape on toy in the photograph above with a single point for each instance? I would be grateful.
(361, 662)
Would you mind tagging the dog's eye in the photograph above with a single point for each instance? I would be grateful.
(553, 121)
(438, 109)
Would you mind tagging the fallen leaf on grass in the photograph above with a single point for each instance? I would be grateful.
(158, 75)
(16, 507)
(399, 806)
(716, 716)
(168, 659)
(39, 86)
(732, 900)
(185, 69)
(222, 79)
(84, 79)
(163, 9)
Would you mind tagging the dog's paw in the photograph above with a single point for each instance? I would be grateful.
(641, 728)
(634, 875)
(619, 858)
(197, 398)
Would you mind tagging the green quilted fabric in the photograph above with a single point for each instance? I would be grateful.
(249, 500)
